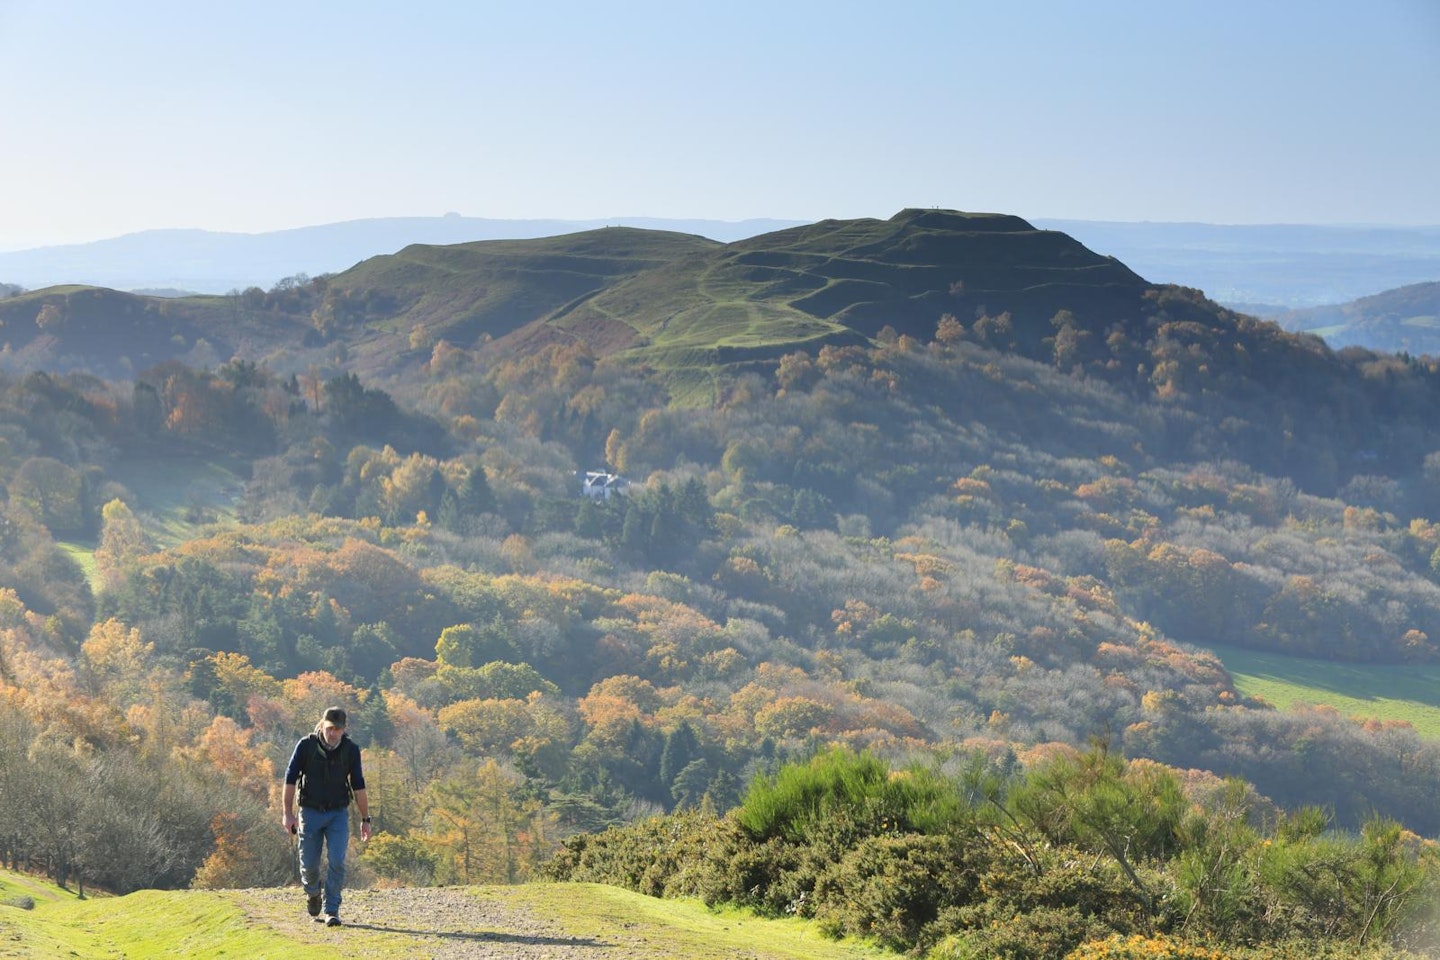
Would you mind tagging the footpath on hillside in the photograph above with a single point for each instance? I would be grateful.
(464, 923)
(446, 923)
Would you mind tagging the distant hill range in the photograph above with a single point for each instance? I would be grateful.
(1405, 320)
(203, 261)
(1258, 267)
(1250, 267)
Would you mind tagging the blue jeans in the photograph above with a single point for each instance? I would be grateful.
(331, 828)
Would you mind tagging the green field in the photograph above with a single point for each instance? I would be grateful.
(1408, 693)
(84, 556)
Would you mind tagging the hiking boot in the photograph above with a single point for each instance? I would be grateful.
(331, 920)
(312, 904)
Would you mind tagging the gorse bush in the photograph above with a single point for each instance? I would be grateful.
(857, 790)
(1163, 947)
(1043, 933)
(1085, 856)
(1143, 948)
(893, 888)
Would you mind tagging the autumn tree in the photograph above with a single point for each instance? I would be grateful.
(483, 829)
(116, 661)
(122, 542)
(247, 853)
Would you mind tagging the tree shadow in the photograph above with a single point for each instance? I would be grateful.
(486, 936)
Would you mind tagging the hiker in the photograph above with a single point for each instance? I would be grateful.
(326, 767)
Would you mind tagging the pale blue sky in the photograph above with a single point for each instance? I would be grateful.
(254, 116)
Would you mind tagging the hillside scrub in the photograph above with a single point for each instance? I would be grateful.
(1084, 855)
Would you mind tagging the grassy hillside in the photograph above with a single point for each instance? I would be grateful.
(1410, 693)
(176, 495)
(465, 292)
(38, 920)
(681, 304)
(842, 281)
(461, 293)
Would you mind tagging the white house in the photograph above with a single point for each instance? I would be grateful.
(602, 485)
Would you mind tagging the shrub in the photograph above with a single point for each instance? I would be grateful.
(1041, 934)
(1358, 889)
(893, 888)
(1162, 947)
(1137, 947)
(1090, 857)
(855, 789)
(690, 853)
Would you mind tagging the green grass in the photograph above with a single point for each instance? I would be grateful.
(682, 928)
(151, 924)
(257, 925)
(40, 920)
(84, 556)
(1408, 693)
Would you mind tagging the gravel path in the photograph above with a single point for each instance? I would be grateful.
(436, 923)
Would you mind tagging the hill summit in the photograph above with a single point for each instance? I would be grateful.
(838, 279)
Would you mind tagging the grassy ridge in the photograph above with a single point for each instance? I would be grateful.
(494, 286)
(41, 920)
(1407, 693)
(840, 281)
(256, 925)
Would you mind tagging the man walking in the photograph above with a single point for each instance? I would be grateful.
(326, 768)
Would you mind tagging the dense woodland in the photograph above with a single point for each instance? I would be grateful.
(981, 543)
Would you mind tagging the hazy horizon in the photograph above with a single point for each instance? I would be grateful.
(682, 219)
(269, 117)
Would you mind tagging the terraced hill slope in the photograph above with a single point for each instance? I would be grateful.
(842, 279)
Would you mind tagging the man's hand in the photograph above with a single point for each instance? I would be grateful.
(364, 830)
(290, 822)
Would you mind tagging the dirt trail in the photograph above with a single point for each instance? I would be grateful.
(436, 923)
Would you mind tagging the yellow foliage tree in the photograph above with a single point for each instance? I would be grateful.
(116, 661)
(487, 726)
(122, 542)
(483, 829)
